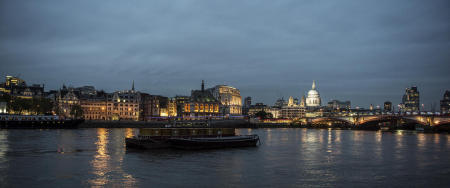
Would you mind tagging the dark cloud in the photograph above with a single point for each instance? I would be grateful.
(365, 51)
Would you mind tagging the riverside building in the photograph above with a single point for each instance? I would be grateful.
(230, 99)
(445, 103)
(411, 100)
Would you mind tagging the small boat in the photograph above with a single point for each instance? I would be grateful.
(214, 143)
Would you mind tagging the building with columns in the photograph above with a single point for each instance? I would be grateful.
(230, 99)
(313, 99)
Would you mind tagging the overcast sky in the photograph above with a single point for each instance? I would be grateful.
(364, 51)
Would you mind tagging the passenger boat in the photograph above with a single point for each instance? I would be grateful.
(190, 138)
(37, 122)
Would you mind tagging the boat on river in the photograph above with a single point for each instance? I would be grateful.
(190, 138)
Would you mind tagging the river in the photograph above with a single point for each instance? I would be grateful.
(291, 157)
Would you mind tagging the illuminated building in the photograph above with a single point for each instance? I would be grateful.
(276, 112)
(124, 105)
(94, 106)
(313, 98)
(3, 109)
(180, 103)
(12, 81)
(410, 100)
(172, 107)
(292, 112)
(387, 106)
(17, 87)
(65, 100)
(202, 104)
(445, 103)
(230, 99)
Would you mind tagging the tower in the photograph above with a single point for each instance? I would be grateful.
(203, 85)
(132, 86)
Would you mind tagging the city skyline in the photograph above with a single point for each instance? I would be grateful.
(435, 106)
(364, 52)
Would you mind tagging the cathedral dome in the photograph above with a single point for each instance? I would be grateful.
(313, 98)
(313, 92)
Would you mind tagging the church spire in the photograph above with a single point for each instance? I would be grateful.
(203, 85)
(132, 86)
(314, 84)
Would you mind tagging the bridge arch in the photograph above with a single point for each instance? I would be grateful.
(330, 121)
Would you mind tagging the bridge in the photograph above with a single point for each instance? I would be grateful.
(389, 120)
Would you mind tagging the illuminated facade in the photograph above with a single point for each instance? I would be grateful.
(124, 105)
(410, 100)
(3, 109)
(94, 107)
(202, 104)
(445, 103)
(172, 107)
(230, 99)
(17, 87)
(65, 100)
(313, 98)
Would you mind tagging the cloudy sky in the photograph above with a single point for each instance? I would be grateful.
(364, 51)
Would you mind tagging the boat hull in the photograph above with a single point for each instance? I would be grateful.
(146, 143)
(193, 143)
(214, 143)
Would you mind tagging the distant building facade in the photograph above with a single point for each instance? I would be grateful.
(246, 106)
(94, 105)
(388, 106)
(17, 87)
(201, 105)
(445, 103)
(411, 100)
(124, 105)
(337, 105)
(230, 99)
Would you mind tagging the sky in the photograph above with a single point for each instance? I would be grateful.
(360, 50)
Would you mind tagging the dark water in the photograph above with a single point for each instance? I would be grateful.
(286, 158)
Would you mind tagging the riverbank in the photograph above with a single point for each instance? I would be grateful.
(242, 124)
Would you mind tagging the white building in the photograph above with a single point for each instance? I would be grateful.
(313, 98)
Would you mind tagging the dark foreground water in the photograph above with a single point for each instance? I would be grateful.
(286, 158)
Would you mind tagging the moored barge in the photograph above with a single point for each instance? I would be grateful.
(190, 138)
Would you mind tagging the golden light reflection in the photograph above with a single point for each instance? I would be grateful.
(338, 135)
(100, 162)
(129, 133)
(437, 138)
(421, 140)
(109, 159)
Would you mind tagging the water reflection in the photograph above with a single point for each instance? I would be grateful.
(4, 147)
(109, 159)
(100, 161)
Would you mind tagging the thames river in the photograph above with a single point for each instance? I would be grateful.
(286, 158)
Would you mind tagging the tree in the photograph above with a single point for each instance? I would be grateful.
(263, 115)
(76, 111)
